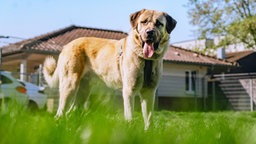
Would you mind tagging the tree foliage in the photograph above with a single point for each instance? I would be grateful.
(233, 19)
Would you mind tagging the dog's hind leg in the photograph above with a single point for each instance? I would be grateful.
(68, 90)
(71, 65)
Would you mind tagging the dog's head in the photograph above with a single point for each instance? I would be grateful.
(151, 31)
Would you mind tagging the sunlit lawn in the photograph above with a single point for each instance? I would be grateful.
(101, 124)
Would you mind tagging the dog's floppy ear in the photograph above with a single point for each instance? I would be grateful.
(171, 23)
(134, 17)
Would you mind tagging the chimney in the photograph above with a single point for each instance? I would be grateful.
(221, 53)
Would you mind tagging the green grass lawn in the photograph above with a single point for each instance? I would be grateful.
(101, 125)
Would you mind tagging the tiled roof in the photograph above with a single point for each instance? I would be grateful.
(235, 56)
(54, 41)
(180, 55)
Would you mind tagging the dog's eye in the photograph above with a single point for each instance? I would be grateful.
(144, 21)
(158, 24)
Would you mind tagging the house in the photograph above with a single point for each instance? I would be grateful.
(184, 84)
(237, 84)
(185, 75)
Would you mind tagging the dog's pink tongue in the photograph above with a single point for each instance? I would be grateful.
(148, 50)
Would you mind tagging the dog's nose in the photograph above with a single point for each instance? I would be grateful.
(150, 32)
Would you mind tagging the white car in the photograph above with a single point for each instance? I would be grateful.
(37, 98)
(12, 89)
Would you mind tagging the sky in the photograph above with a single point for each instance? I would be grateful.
(22, 19)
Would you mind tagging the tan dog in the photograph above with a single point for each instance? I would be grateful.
(133, 64)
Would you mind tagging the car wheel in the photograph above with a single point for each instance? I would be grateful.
(32, 106)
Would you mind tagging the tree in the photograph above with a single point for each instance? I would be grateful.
(235, 20)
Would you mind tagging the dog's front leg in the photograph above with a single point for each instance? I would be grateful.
(128, 98)
(147, 105)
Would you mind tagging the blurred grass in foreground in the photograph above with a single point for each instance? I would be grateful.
(101, 125)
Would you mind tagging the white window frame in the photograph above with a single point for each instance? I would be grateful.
(189, 86)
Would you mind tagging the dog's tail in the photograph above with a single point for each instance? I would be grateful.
(50, 71)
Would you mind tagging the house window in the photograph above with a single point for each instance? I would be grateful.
(190, 81)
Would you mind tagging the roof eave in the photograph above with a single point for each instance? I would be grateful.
(44, 51)
(31, 51)
(12, 53)
(201, 64)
